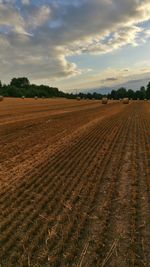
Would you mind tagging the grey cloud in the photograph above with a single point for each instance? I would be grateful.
(111, 79)
(135, 80)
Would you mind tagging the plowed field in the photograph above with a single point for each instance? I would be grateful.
(75, 183)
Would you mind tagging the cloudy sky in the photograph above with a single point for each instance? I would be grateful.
(75, 43)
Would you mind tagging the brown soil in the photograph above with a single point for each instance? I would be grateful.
(75, 188)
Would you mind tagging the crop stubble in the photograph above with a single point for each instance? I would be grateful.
(88, 203)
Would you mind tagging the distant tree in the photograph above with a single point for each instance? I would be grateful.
(12, 91)
(96, 96)
(19, 82)
(89, 96)
(139, 94)
(143, 91)
(148, 91)
(113, 94)
(130, 94)
(0, 84)
(121, 92)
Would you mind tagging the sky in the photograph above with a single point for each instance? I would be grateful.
(76, 44)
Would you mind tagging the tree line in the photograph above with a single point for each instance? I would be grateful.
(143, 93)
(19, 87)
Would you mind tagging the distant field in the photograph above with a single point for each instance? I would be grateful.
(74, 183)
(22, 109)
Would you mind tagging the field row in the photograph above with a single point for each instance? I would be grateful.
(20, 141)
(86, 205)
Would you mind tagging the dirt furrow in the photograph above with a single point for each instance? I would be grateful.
(86, 204)
(102, 238)
(26, 203)
(24, 197)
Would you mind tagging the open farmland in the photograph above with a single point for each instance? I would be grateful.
(74, 183)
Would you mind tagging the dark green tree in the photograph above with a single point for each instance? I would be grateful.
(143, 91)
(131, 94)
(113, 94)
(19, 82)
(121, 92)
(139, 94)
(148, 91)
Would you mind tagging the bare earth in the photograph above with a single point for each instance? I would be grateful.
(74, 183)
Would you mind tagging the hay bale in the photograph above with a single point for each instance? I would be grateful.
(35, 97)
(104, 100)
(1, 98)
(126, 100)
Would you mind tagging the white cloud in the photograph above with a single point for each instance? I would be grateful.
(147, 34)
(25, 2)
(114, 41)
(37, 16)
(10, 17)
(39, 39)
